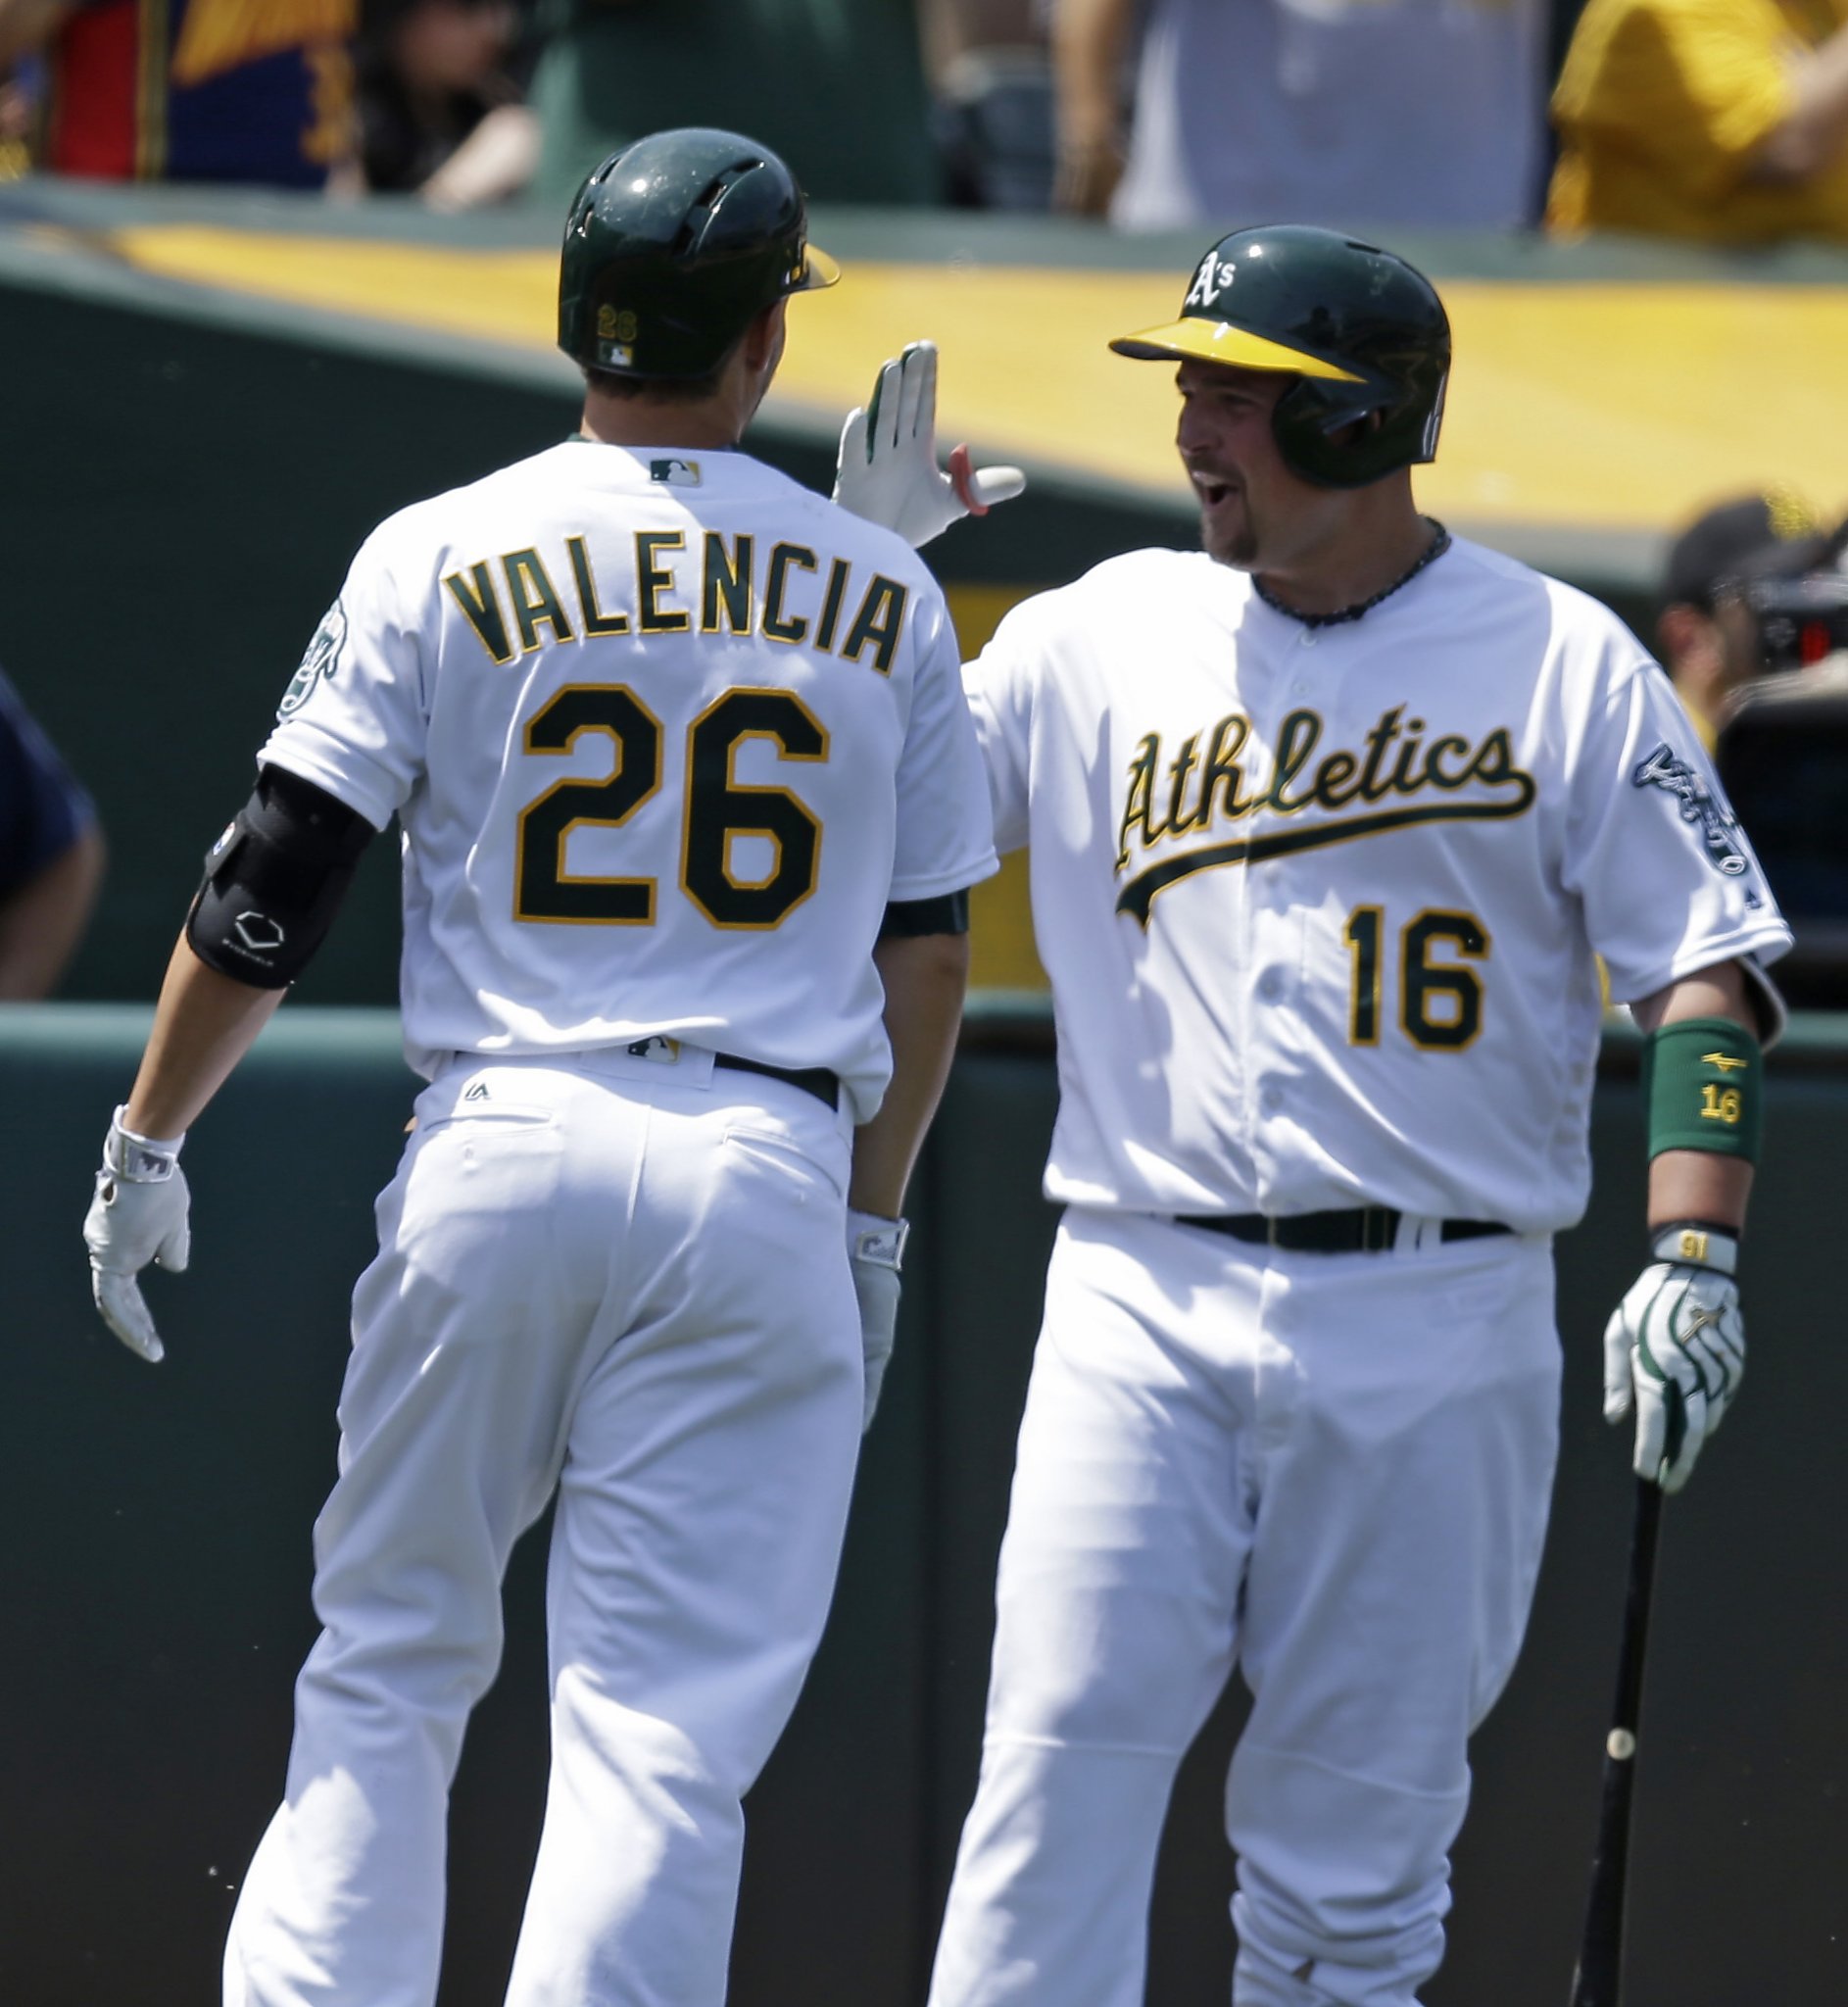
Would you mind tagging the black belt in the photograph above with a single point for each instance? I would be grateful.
(814, 1080)
(1359, 1230)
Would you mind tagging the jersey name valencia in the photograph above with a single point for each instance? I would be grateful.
(1400, 774)
(741, 584)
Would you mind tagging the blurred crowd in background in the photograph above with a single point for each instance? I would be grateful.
(1715, 122)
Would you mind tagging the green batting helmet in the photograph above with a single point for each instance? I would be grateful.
(674, 246)
(1358, 328)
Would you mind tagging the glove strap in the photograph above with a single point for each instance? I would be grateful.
(871, 1237)
(1696, 1243)
(141, 1159)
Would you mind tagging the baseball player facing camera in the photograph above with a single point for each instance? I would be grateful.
(1327, 826)
(691, 804)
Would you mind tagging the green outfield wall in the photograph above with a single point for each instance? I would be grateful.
(155, 1578)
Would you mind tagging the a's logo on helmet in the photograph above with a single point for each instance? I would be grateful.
(1214, 277)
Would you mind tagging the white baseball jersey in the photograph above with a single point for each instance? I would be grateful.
(666, 732)
(1321, 905)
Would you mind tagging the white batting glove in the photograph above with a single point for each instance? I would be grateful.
(875, 1249)
(1674, 1349)
(138, 1215)
(888, 472)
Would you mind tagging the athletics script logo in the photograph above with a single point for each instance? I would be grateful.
(1715, 822)
(1400, 774)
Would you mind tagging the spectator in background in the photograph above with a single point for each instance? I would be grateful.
(21, 86)
(1395, 113)
(836, 84)
(1707, 634)
(51, 856)
(991, 79)
(442, 102)
(1723, 120)
(194, 90)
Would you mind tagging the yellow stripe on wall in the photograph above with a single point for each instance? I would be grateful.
(1571, 405)
(1001, 950)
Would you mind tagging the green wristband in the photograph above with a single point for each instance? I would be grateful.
(1704, 1082)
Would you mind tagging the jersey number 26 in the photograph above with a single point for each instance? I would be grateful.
(719, 810)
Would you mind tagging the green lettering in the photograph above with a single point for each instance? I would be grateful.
(482, 610)
(652, 579)
(1434, 768)
(1332, 780)
(1222, 770)
(777, 624)
(536, 603)
(590, 607)
(1295, 742)
(1139, 806)
(1180, 772)
(831, 604)
(727, 584)
(879, 620)
(1372, 788)
(1406, 778)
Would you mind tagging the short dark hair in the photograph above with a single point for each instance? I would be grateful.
(653, 389)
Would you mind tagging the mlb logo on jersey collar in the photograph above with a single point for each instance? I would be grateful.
(675, 473)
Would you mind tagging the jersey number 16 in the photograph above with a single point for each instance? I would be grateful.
(1441, 1002)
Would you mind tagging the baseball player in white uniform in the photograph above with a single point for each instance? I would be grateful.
(691, 804)
(1328, 826)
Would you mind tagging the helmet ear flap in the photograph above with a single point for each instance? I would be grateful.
(1305, 421)
(1310, 414)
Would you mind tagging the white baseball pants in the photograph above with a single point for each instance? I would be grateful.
(629, 1281)
(1331, 1470)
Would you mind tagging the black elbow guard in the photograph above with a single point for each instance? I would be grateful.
(275, 880)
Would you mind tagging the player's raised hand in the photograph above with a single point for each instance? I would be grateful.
(139, 1214)
(887, 472)
(1674, 1351)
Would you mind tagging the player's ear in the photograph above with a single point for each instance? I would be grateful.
(1686, 635)
(763, 344)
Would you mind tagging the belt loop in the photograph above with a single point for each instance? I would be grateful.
(1270, 1230)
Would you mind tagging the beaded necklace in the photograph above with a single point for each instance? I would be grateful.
(1435, 549)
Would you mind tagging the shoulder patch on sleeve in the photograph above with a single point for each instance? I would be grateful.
(323, 652)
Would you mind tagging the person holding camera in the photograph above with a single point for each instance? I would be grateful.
(1735, 604)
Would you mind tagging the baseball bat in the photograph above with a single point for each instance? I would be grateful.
(1599, 1978)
